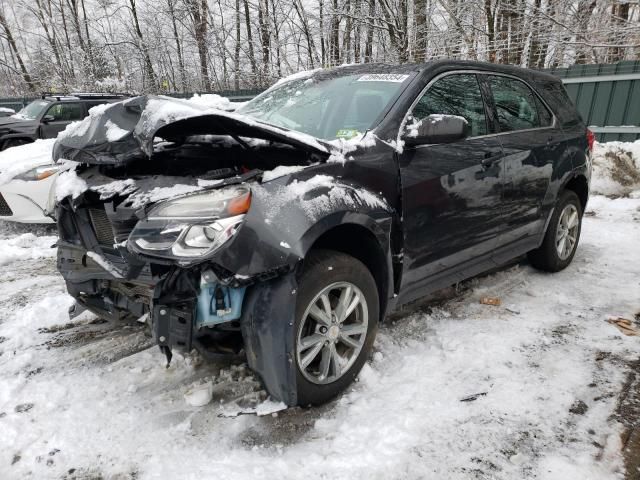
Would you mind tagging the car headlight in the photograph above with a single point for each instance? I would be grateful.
(193, 226)
(38, 173)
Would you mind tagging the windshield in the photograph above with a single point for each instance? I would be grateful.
(32, 111)
(339, 107)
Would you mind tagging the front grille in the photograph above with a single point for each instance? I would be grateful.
(101, 226)
(5, 209)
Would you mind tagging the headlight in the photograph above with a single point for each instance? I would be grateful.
(213, 204)
(192, 226)
(38, 173)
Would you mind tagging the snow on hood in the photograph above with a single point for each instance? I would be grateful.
(17, 160)
(119, 132)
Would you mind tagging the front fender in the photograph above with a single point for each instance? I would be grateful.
(285, 220)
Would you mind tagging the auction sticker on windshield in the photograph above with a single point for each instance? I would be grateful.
(383, 77)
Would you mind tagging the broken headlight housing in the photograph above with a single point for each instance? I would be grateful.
(193, 226)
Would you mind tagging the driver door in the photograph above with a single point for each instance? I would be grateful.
(451, 193)
(62, 114)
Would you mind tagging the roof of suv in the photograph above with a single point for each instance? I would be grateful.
(68, 97)
(410, 68)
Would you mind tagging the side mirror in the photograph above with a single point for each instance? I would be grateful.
(48, 118)
(436, 129)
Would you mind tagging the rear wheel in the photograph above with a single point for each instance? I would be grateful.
(562, 236)
(337, 315)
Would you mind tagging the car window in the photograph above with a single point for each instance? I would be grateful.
(457, 94)
(515, 104)
(546, 118)
(328, 107)
(31, 111)
(67, 112)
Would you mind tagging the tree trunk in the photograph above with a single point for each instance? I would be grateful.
(236, 53)
(263, 18)
(323, 51)
(176, 37)
(90, 55)
(334, 39)
(491, 34)
(148, 66)
(31, 84)
(368, 47)
(313, 55)
(198, 9)
(346, 36)
(420, 9)
(252, 57)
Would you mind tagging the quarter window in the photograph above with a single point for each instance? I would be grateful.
(518, 108)
(546, 118)
(66, 112)
(457, 94)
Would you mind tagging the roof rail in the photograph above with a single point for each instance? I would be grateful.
(99, 95)
(81, 95)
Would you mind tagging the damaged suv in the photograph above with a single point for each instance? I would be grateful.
(286, 231)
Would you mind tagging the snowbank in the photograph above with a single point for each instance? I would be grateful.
(17, 160)
(616, 168)
(26, 247)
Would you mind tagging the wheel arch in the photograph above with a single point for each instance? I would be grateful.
(365, 240)
(580, 186)
(11, 137)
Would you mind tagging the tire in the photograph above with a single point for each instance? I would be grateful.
(337, 275)
(548, 257)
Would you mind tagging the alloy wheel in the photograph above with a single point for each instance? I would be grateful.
(332, 333)
(567, 231)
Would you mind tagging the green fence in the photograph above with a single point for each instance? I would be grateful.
(607, 96)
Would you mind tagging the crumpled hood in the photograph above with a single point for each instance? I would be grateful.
(119, 132)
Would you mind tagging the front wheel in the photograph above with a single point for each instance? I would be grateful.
(562, 236)
(337, 314)
(14, 142)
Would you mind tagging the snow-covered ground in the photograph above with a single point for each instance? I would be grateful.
(458, 390)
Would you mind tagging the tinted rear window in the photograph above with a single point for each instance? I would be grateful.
(515, 104)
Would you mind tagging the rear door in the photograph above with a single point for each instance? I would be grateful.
(451, 193)
(531, 140)
(62, 115)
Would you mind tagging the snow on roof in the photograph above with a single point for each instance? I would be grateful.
(303, 75)
(17, 160)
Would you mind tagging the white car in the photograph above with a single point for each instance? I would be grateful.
(27, 176)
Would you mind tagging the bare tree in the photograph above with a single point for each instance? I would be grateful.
(9, 37)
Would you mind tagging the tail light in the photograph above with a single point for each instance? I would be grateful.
(591, 138)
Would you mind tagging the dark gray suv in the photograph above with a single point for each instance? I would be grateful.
(48, 116)
(285, 231)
